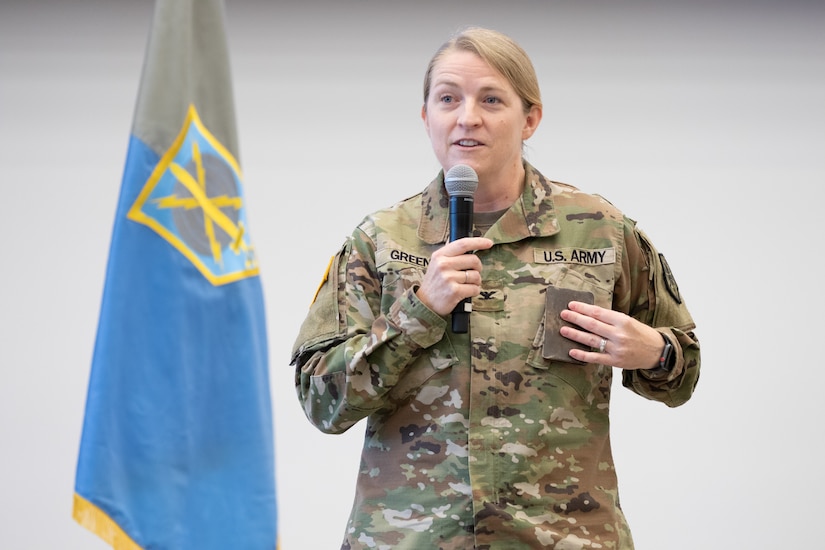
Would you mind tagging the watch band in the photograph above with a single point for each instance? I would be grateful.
(667, 360)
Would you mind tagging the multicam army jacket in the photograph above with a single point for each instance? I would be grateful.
(475, 440)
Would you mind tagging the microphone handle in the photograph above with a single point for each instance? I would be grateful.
(461, 225)
(461, 316)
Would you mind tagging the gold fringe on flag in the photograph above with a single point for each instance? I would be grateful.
(98, 522)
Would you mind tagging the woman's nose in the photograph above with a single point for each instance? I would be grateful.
(470, 114)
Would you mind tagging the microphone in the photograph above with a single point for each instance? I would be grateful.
(461, 182)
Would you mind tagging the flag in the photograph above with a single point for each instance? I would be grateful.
(177, 446)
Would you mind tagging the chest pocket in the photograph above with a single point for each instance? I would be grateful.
(398, 271)
(584, 379)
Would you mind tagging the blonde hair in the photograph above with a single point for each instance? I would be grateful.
(500, 52)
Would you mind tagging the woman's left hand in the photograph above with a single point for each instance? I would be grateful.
(617, 339)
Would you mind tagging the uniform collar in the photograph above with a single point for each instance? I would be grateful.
(532, 215)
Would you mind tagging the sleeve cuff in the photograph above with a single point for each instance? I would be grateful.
(416, 321)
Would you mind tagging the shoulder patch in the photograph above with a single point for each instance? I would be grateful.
(670, 280)
(324, 279)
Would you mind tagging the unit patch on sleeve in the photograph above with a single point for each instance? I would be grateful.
(670, 280)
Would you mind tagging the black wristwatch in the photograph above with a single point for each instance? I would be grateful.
(666, 362)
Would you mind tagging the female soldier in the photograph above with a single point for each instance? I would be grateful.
(486, 439)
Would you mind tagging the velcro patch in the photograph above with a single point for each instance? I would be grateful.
(583, 256)
(670, 280)
(387, 255)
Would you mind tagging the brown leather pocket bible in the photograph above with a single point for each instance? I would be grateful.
(557, 347)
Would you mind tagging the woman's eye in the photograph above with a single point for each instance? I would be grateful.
(491, 100)
(447, 99)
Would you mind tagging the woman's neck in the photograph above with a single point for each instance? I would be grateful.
(499, 193)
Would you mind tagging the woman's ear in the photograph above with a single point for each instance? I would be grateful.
(531, 123)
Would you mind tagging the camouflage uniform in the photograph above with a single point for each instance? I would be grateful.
(475, 440)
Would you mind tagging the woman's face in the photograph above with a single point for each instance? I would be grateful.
(474, 116)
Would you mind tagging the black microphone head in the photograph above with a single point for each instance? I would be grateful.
(461, 181)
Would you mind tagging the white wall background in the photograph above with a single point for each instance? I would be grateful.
(703, 120)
